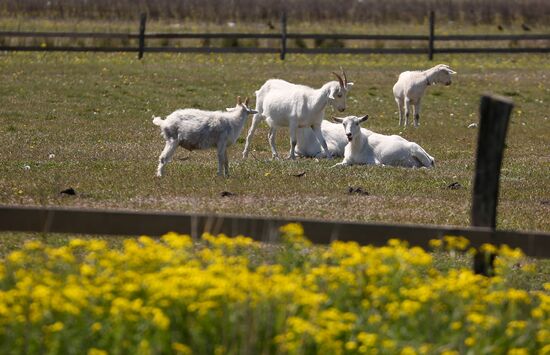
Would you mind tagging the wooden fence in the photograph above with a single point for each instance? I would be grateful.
(495, 112)
(125, 223)
(430, 40)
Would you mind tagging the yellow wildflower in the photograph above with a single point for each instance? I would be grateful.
(16, 257)
(181, 349)
(488, 248)
(367, 339)
(456, 325)
(456, 243)
(408, 350)
(351, 345)
(95, 351)
(55, 327)
(160, 320)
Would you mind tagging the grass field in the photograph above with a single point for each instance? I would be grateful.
(93, 113)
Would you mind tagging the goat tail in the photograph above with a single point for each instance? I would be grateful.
(157, 121)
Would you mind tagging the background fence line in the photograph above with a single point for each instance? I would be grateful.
(430, 39)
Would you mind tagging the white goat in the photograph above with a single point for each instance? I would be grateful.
(308, 146)
(283, 104)
(197, 129)
(367, 147)
(411, 85)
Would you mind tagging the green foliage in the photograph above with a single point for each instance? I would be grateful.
(228, 295)
(502, 12)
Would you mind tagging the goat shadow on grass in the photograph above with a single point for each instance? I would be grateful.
(68, 192)
(454, 186)
(357, 191)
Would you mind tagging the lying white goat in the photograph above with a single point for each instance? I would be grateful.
(367, 147)
(283, 104)
(308, 146)
(410, 87)
(197, 129)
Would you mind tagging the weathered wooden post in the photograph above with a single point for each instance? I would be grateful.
(142, 21)
(432, 34)
(494, 116)
(283, 35)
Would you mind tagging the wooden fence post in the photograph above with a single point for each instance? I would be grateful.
(494, 116)
(283, 35)
(142, 21)
(431, 38)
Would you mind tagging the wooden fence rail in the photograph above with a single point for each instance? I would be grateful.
(430, 39)
(112, 222)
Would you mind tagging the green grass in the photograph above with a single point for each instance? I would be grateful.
(93, 111)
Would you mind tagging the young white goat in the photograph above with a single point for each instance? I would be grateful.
(410, 87)
(367, 147)
(308, 146)
(283, 104)
(197, 129)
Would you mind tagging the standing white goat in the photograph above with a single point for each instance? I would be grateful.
(410, 87)
(308, 146)
(283, 104)
(197, 129)
(367, 147)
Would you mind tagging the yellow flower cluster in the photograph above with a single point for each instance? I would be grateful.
(233, 295)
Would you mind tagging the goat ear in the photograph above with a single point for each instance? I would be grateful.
(246, 101)
(337, 119)
(331, 94)
(363, 119)
(349, 85)
(239, 100)
(450, 71)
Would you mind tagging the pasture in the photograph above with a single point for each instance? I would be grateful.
(84, 121)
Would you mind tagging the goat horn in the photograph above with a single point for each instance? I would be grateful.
(339, 79)
(238, 100)
(345, 77)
